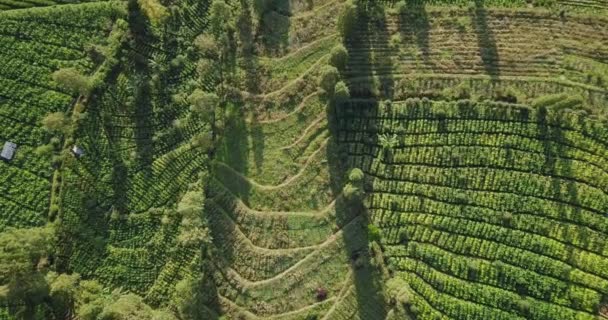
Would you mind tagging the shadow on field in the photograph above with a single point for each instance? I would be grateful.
(485, 40)
(369, 34)
(248, 50)
(274, 22)
(233, 153)
(383, 63)
(414, 26)
(553, 150)
(142, 102)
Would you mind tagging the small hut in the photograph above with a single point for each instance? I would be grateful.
(8, 151)
(77, 151)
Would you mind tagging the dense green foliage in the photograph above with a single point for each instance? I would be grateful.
(304, 159)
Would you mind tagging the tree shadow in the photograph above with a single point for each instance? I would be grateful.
(247, 39)
(383, 64)
(414, 25)
(274, 23)
(370, 33)
(257, 142)
(359, 68)
(486, 42)
(551, 138)
(141, 35)
(233, 151)
(143, 127)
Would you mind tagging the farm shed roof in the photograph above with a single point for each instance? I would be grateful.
(8, 151)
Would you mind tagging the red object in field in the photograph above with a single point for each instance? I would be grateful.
(321, 294)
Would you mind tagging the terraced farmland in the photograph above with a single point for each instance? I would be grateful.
(305, 159)
(486, 198)
(120, 198)
(30, 54)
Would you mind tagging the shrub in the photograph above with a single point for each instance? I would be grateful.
(338, 57)
(44, 150)
(523, 305)
(403, 236)
(395, 41)
(328, 78)
(131, 306)
(508, 94)
(54, 210)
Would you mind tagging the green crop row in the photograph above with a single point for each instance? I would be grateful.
(487, 210)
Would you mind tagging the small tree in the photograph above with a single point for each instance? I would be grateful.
(23, 258)
(203, 103)
(341, 92)
(189, 295)
(205, 67)
(399, 289)
(328, 78)
(131, 306)
(72, 80)
(356, 175)
(90, 300)
(388, 143)
(63, 290)
(56, 122)
(203, 141)
(193, 231)
(373, 233)
(154, 10)
(207, 45)
(351, 192)
(338, 57)
(220, 17)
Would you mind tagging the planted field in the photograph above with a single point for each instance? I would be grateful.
(30, 54)
(120, 198)
(503, 48)
(487, 198)
(25, 4)
(303, 160)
